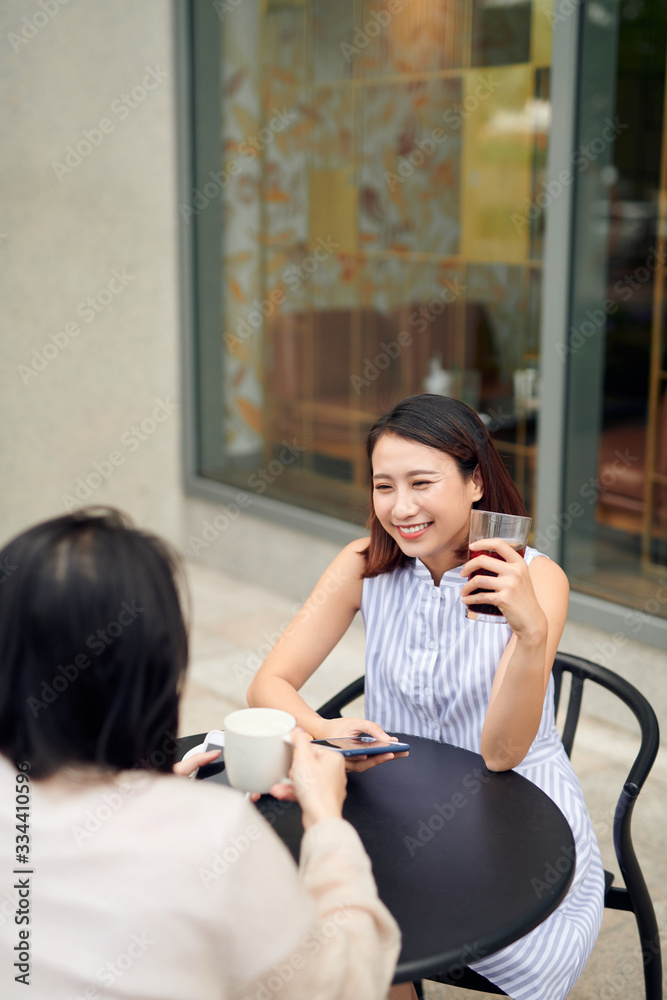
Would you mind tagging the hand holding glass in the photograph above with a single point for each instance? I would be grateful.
(511, 529)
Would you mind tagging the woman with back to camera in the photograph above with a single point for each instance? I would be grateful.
(431, 671)
(136, 883)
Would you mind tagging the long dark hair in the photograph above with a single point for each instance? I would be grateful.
(447, 425)
(93, 645)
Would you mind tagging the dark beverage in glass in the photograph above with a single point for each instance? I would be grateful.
(491, 609)
(486, 525)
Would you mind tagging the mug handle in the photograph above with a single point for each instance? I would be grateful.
(288, 740)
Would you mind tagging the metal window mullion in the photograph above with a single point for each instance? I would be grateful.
(557, 282)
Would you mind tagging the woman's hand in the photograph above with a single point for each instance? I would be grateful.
(510, 589)
(336, 728)
(187, 767)
(329, 729)
(533, 599)
(318, 780)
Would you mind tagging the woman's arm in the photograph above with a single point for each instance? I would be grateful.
(324, 932)
(308, 640)
(534, 601)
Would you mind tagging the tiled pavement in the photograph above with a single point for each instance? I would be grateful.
(235, 623)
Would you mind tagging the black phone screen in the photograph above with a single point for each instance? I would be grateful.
(216, 768)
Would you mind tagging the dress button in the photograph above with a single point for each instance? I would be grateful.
(435, 726)
(432, 644)
(427, 692)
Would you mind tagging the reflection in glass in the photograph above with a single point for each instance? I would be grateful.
(617, 455)
(384, 220)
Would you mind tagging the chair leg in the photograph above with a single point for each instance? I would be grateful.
(419, 989)
(649, 934)
(652, 959)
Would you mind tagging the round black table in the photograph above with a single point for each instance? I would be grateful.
(467, 860)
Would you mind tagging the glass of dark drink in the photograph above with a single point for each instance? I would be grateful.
(489, 524)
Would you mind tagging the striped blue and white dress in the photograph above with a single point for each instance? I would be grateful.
(429, 672)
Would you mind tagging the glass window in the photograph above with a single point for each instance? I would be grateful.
(616, 347)
(366, 176)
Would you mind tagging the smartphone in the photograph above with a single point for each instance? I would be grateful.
(215, 740)
(355, 746)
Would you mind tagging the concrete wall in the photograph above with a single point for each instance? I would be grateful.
(78, 376)
(256, 550)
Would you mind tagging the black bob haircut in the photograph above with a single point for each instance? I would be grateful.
(93, 645)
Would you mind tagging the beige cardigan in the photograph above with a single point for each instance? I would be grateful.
(154, 887)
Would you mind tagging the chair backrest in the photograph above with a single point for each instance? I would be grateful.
(583, 670)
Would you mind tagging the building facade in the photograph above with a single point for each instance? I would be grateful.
(234, 232)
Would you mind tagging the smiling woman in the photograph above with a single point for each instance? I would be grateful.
(428, 507)
(433, 672)
(456, 452)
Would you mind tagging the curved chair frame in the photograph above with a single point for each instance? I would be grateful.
(634, 895)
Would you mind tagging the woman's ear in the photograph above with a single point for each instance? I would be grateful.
(478, 483)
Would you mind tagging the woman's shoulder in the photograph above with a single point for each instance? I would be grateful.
(165, 801)
(202, 796)
(356, 550)
(152, 813)
(193, 817)
(350, 563)
(542, 566)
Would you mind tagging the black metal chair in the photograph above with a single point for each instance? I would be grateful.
(634, 895)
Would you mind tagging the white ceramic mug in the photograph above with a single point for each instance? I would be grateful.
(257, 748)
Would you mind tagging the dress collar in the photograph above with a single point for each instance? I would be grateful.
(451, 578)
